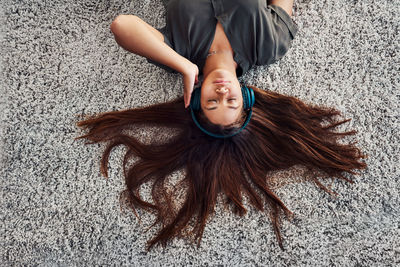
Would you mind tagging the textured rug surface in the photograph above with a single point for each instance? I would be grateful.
(60, 60)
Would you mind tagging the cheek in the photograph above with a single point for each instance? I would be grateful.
(206, 91)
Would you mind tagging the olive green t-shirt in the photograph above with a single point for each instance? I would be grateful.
(259, 34)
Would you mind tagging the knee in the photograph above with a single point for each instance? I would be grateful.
(120, 22)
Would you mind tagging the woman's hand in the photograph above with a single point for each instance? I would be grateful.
(189, 80)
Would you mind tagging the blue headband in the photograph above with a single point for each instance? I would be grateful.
(221, 136)
(248, 102)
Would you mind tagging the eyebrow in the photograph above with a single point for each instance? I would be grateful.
(228, 107)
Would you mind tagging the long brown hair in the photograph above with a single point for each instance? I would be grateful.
(283, 132)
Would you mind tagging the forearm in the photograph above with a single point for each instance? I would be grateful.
(131, 33)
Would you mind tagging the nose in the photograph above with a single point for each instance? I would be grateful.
(222, 90)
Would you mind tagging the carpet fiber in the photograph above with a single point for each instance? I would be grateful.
(60, 60)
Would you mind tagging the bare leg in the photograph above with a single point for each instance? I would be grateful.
(286, 5)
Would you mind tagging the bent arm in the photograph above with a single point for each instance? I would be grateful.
(286, 5)
(136, 36)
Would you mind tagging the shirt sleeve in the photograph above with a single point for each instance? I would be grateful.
(285, 31)
(168, 42)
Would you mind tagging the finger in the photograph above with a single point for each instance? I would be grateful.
(184, 97)
(188, 102)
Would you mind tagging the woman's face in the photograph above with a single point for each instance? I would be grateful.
(221, 97)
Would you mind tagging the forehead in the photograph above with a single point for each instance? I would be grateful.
(222, 116)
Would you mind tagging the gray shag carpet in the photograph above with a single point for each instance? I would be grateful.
(59, 60)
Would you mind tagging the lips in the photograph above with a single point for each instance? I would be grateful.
(221, 82)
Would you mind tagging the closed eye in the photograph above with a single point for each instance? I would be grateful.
(213, 108)
(228, 107)
(216, 100)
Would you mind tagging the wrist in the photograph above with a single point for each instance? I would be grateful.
(186, 67)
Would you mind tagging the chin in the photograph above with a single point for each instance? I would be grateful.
(221, 73)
